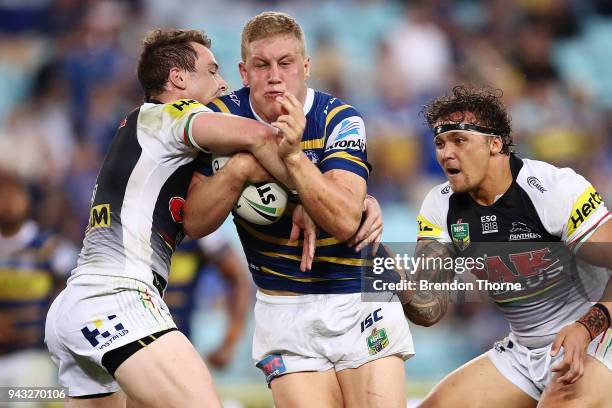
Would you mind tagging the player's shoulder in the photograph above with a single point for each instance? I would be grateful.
(236, 102)
(439, 194)
(180, 107)
(330, 105)
(547, 182)
(432, 215)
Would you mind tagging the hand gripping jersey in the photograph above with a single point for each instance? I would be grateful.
(136, 212)
(546, 213)
(334, 138)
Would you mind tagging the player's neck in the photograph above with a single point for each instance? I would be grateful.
(168, 96)
(496, 182)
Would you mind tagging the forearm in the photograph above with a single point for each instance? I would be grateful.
(202, 214)
(427, 307)
(227, 134)
(334, 206)
(266, 152)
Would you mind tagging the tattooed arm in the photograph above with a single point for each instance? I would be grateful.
(575, 337)
(427, 307)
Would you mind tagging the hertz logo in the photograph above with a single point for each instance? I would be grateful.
(99, 216)
(586, 204)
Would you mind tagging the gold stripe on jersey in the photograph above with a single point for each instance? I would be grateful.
(177, 109)
(331, 259)
(282, 241)
(313, 144)
(221, 105)
(427, 229)
(347, 156)
(587, 203)
(297, 279)
(24, 285)
(333, 113)
(183, 268)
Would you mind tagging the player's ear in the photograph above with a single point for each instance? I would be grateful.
(177, 78)
(243, 74)
(307, 67)
(496, 145)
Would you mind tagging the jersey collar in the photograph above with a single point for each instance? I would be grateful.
(307, 105)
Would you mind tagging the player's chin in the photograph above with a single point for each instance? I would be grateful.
(458, 187)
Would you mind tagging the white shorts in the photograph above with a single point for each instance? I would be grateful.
(530, 369)
(320, 332)
(94, 315)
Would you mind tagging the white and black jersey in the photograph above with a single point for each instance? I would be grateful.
(136, 212)
(546, 214)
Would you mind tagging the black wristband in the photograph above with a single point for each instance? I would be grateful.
(605, 311)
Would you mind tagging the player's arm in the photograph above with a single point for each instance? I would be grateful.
(427, 307)
(226, 134)
(588, 231)
(233, 271)
(204, 214)
(334, 200)
(575, 337)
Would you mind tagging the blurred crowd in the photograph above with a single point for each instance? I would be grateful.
(68, 78)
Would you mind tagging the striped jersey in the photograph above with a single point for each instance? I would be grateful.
(33, 267)
(334, 138)
(191, 260)
(545, 215)
(136, 212)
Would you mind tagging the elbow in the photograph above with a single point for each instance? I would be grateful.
(345, 226)
(191, 227)
(424, 316)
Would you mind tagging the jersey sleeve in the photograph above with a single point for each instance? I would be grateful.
(181, 114)
(581, 209)
(431, 221)
(345, 140)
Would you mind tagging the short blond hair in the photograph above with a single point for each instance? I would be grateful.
(270, 24)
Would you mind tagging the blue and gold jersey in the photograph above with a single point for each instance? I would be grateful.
(32, 264)
(334, 138)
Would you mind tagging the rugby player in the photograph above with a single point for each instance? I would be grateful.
(34, 265)
(191, 262)
(110, 327)
(317, 343)
(558, 349)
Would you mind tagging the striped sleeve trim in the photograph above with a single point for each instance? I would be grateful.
(187, 133)
(333, 113)
(347, 156)
(577, 243)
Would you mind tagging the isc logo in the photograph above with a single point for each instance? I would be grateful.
(371, 319)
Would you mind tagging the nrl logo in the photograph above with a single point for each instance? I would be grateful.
(460, 232)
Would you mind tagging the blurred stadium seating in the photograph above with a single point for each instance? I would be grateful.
(68, 77)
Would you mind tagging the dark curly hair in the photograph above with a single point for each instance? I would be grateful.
(163, 50)
(486, 105)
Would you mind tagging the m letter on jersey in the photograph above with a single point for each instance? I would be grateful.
(99, 216)
(348, 134)
(584, 206)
